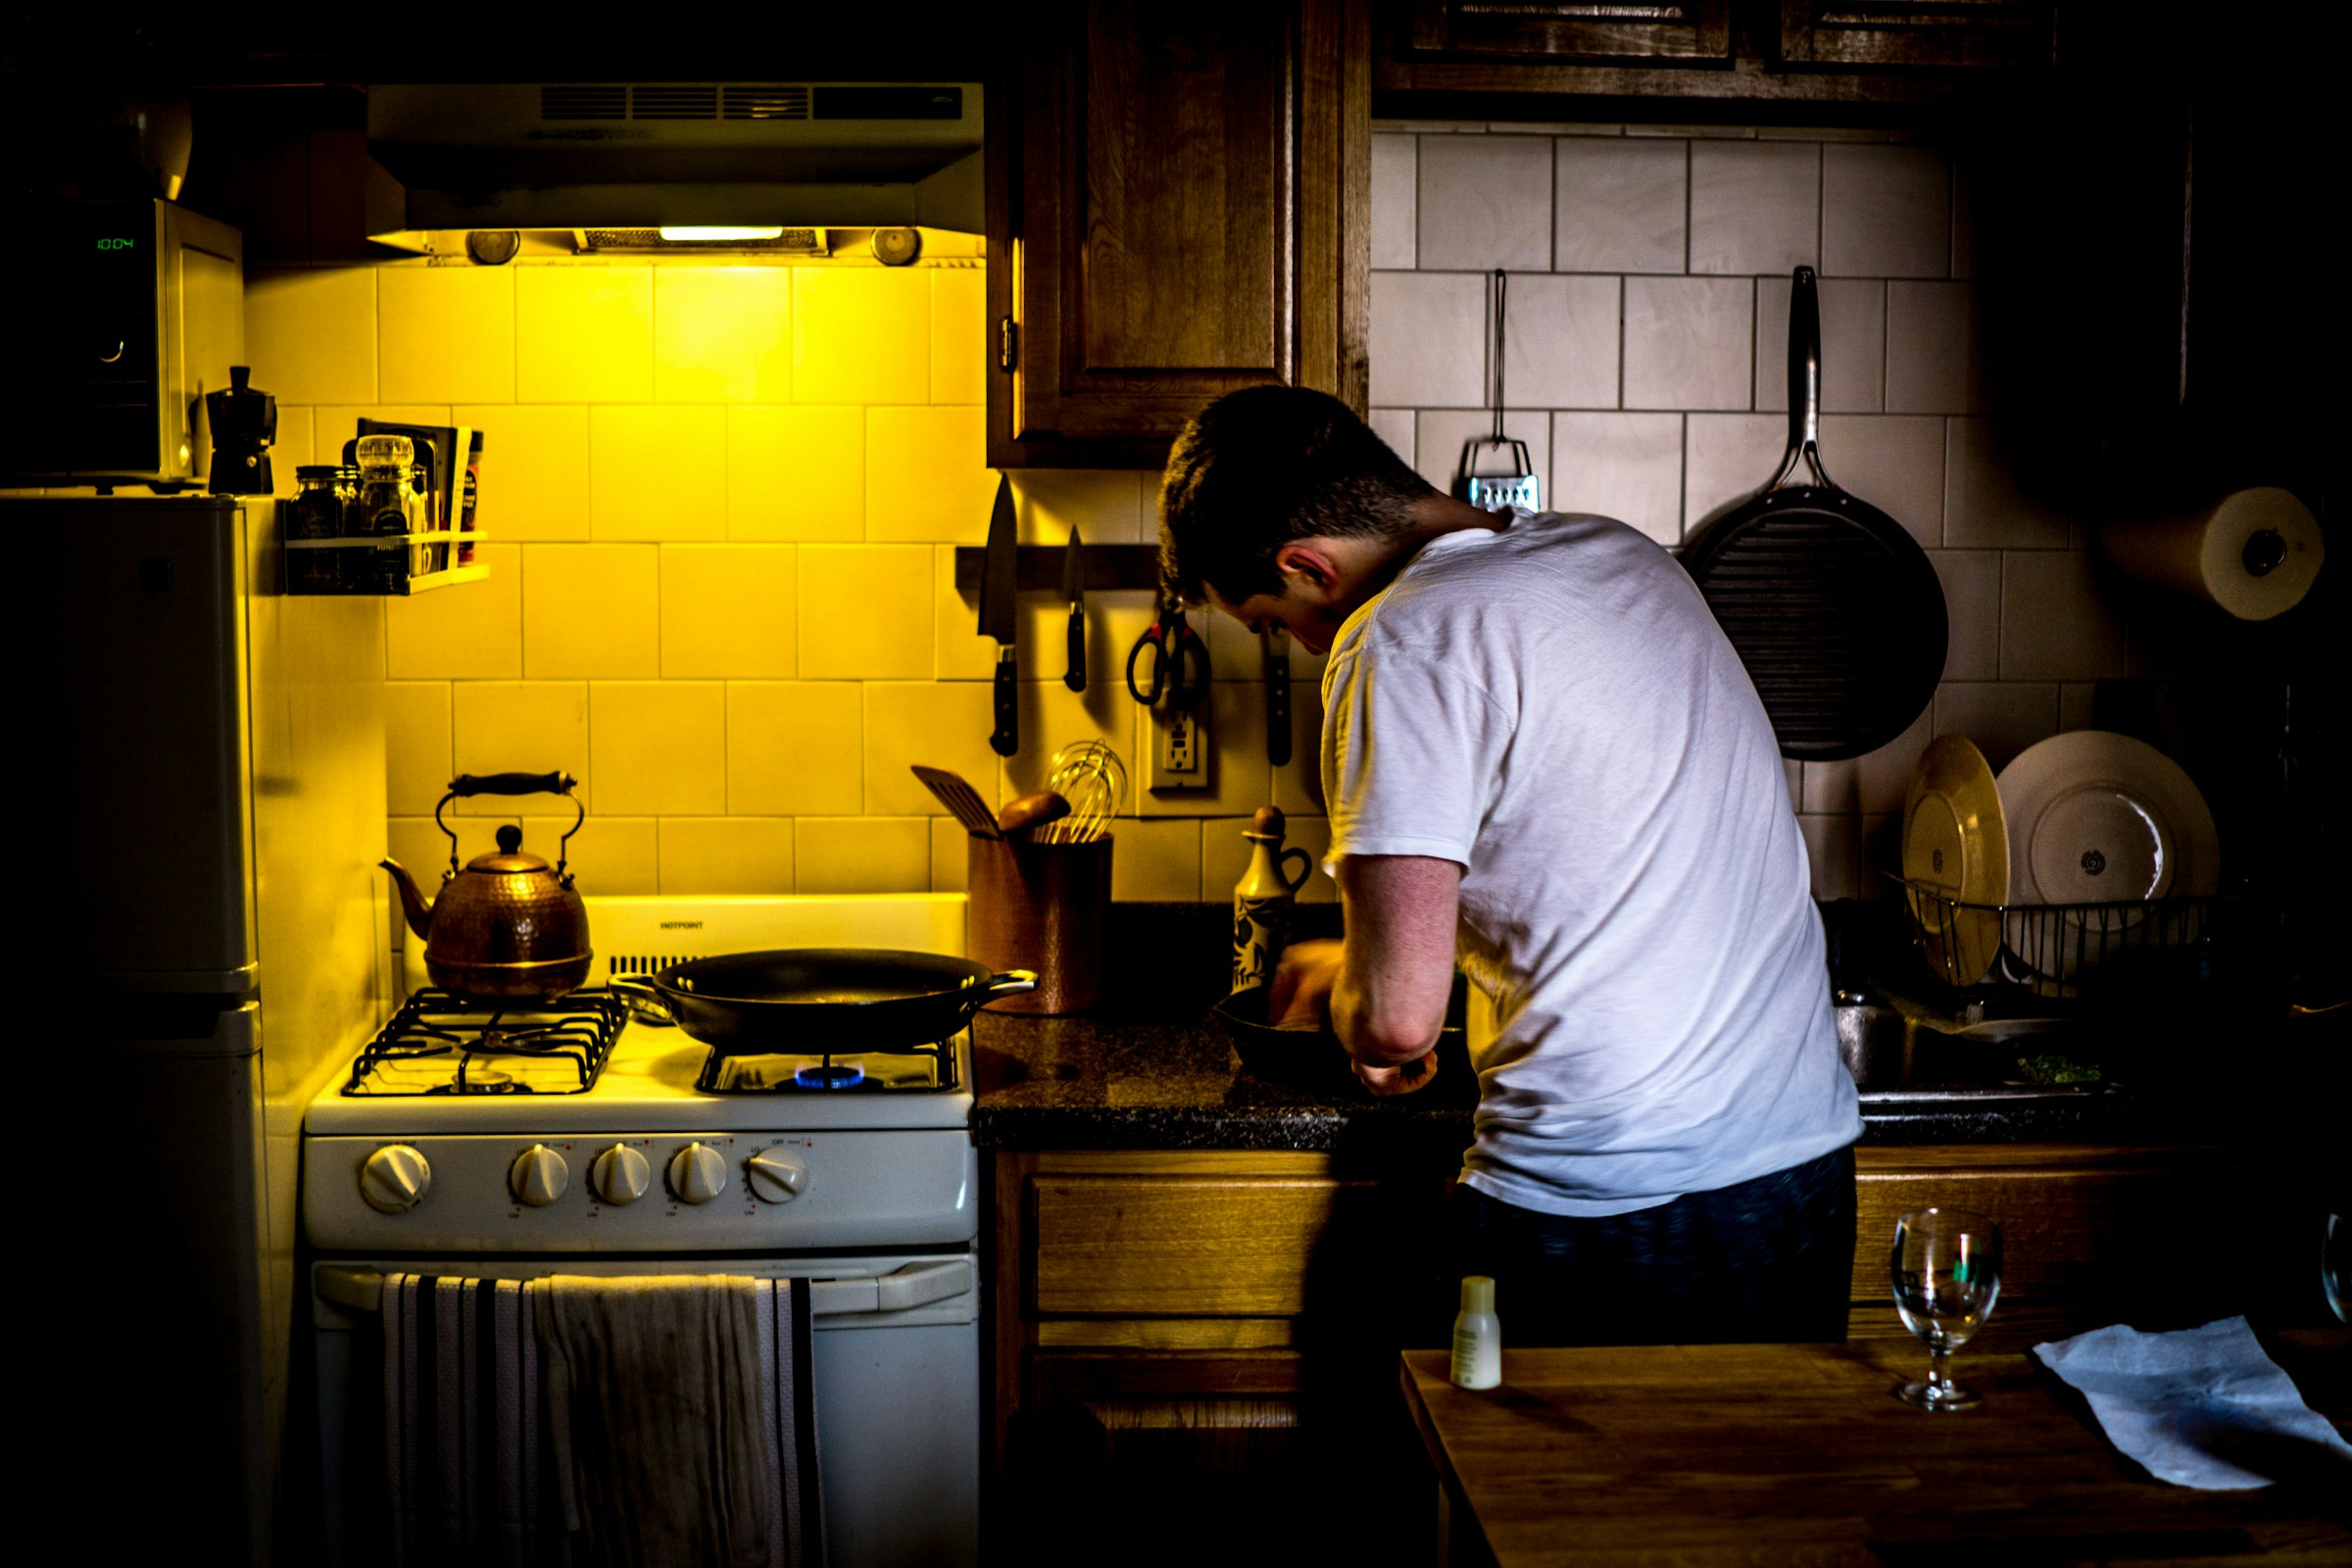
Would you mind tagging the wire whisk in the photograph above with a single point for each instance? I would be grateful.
(1091, 777)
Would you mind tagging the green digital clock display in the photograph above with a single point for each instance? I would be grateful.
(110, 244)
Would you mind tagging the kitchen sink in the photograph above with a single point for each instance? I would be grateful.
(1901, 1052)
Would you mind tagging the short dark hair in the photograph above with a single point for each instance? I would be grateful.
(1262, 466)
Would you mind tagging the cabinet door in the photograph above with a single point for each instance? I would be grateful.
(1573, 32)
(1177, 211)
(1871, 35)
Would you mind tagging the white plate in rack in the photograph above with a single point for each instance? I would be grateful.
(2097, 818)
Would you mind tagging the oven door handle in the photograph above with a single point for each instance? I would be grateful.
(359, 1290)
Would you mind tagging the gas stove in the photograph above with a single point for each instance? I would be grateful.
(582, 1126)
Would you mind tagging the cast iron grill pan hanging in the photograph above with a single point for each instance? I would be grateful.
(1830, 604)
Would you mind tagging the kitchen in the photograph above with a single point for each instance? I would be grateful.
(725, 496)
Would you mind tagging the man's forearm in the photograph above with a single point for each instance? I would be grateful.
(1397, 968)
(1378, 1029)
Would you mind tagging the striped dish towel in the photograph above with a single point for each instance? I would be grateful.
(655, 1420)
(464, 1423)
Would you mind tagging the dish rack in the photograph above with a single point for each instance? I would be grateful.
(2065, 950)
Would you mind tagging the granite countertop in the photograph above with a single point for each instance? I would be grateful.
(1150, 1068)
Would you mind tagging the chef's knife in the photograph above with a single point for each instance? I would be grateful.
(1073, 588)
(1274, 643)
(1000, 579)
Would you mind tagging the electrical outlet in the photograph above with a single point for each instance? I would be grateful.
(1179, 748)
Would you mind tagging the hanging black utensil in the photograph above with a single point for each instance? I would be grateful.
(1490, 480)
(1073, 588)
(1832, 604)
(999, 582)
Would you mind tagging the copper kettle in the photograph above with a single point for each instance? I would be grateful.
(507, 927)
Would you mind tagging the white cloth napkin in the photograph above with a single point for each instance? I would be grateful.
(2200, 1407)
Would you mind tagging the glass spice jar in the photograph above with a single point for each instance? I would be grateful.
(323, 494)
(388, 502)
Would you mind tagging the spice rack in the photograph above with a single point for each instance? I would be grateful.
(381, 565)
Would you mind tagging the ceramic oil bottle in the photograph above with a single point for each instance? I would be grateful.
(1262, 899)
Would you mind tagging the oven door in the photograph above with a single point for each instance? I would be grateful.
(897, 1348)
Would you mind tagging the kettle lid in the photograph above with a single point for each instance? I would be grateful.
(510, 854)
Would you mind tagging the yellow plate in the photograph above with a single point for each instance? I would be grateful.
(1956, 840)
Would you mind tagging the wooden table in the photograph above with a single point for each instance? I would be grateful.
(1799, 1453)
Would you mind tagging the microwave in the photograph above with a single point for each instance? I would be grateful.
(128, 312)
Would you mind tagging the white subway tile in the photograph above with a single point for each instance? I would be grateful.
(1984, 509)
(962, 357)
(1105, 504)
(1394, 205)
(1885, 212)
(1619, 206)
(658, 471)
(862, 854)
(1896, 464)
(446, 333)
(1156, 861)
(1429, 337)
(2076, 700)
(310, 334)
(584, 334)
(1755, 206)
(1833, 846)
(865, 612)
(1444, 432)
(2056, 623)
(1623, 465)
(520, 726)
(591, 610)
(1395, 427)
(1726, 459)
(1689, 342)
(1853, 344)
(722, 334)
(1971, 602)
(723, 855)
(416, 745)
(1875, 781)
(2003, 718)
(534, 477)
(659, 748)
(473, 631)
(1933, 364)
(1485, 202)
(795, 748)
(1560, 342)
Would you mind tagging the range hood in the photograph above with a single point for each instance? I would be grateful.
(653, 155)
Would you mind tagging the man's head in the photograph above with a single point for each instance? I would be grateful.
(1281, 506)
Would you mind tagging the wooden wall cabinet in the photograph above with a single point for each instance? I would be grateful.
(1442, 56)
(1178, 200)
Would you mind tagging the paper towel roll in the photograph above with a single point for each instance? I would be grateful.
(2255, 554)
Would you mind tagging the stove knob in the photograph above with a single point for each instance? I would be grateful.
(394, 1179)
(776, 1176)
(620, 1175)
(538, 1176)
(698, 1173)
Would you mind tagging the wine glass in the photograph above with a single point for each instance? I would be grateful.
(1946, 1265)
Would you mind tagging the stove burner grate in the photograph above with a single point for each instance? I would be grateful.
(898, 1069)
(440, 1044)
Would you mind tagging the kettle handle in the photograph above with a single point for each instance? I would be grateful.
(467, 785)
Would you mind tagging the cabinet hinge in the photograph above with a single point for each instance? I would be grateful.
(1009, 343)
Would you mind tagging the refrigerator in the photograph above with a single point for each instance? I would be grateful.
(208, 762)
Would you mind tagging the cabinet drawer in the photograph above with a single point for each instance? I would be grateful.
(1170, 1246)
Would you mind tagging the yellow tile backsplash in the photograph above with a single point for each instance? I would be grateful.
(658, 472)
(590, 610)
(659, 747)
(584, 334)
(862, 854)
(861, 335)
(722, 334)
(721, 504)
(519, 726)
(445, 334)
(730, 610)
(793, 749)
(797, 473)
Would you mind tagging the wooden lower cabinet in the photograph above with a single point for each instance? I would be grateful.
(1195, 1352)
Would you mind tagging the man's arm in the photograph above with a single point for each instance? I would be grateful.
(1397, 964)
(1384, 988)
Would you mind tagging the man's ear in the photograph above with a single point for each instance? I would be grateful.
(1307, 571)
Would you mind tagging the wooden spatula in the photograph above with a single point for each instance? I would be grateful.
(963, 803)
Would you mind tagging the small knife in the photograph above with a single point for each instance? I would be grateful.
(1073, 588)
(999, 579)
(1274, 643)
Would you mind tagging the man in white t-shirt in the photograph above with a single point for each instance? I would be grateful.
(1542, 759)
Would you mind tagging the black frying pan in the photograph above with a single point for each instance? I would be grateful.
(806, 1000)
(1830, 604)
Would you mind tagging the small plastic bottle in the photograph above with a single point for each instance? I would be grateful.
(1477, 1337)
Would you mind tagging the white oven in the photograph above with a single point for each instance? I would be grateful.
(457, 1147)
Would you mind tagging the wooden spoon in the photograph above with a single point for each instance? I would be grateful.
(1020, 817)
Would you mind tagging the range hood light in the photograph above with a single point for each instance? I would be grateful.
(691, 234)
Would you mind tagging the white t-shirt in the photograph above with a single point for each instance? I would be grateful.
(1553, 707)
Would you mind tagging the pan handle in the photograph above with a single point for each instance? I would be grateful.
(646, 1004)
(1804, 381)
(1011, 983)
